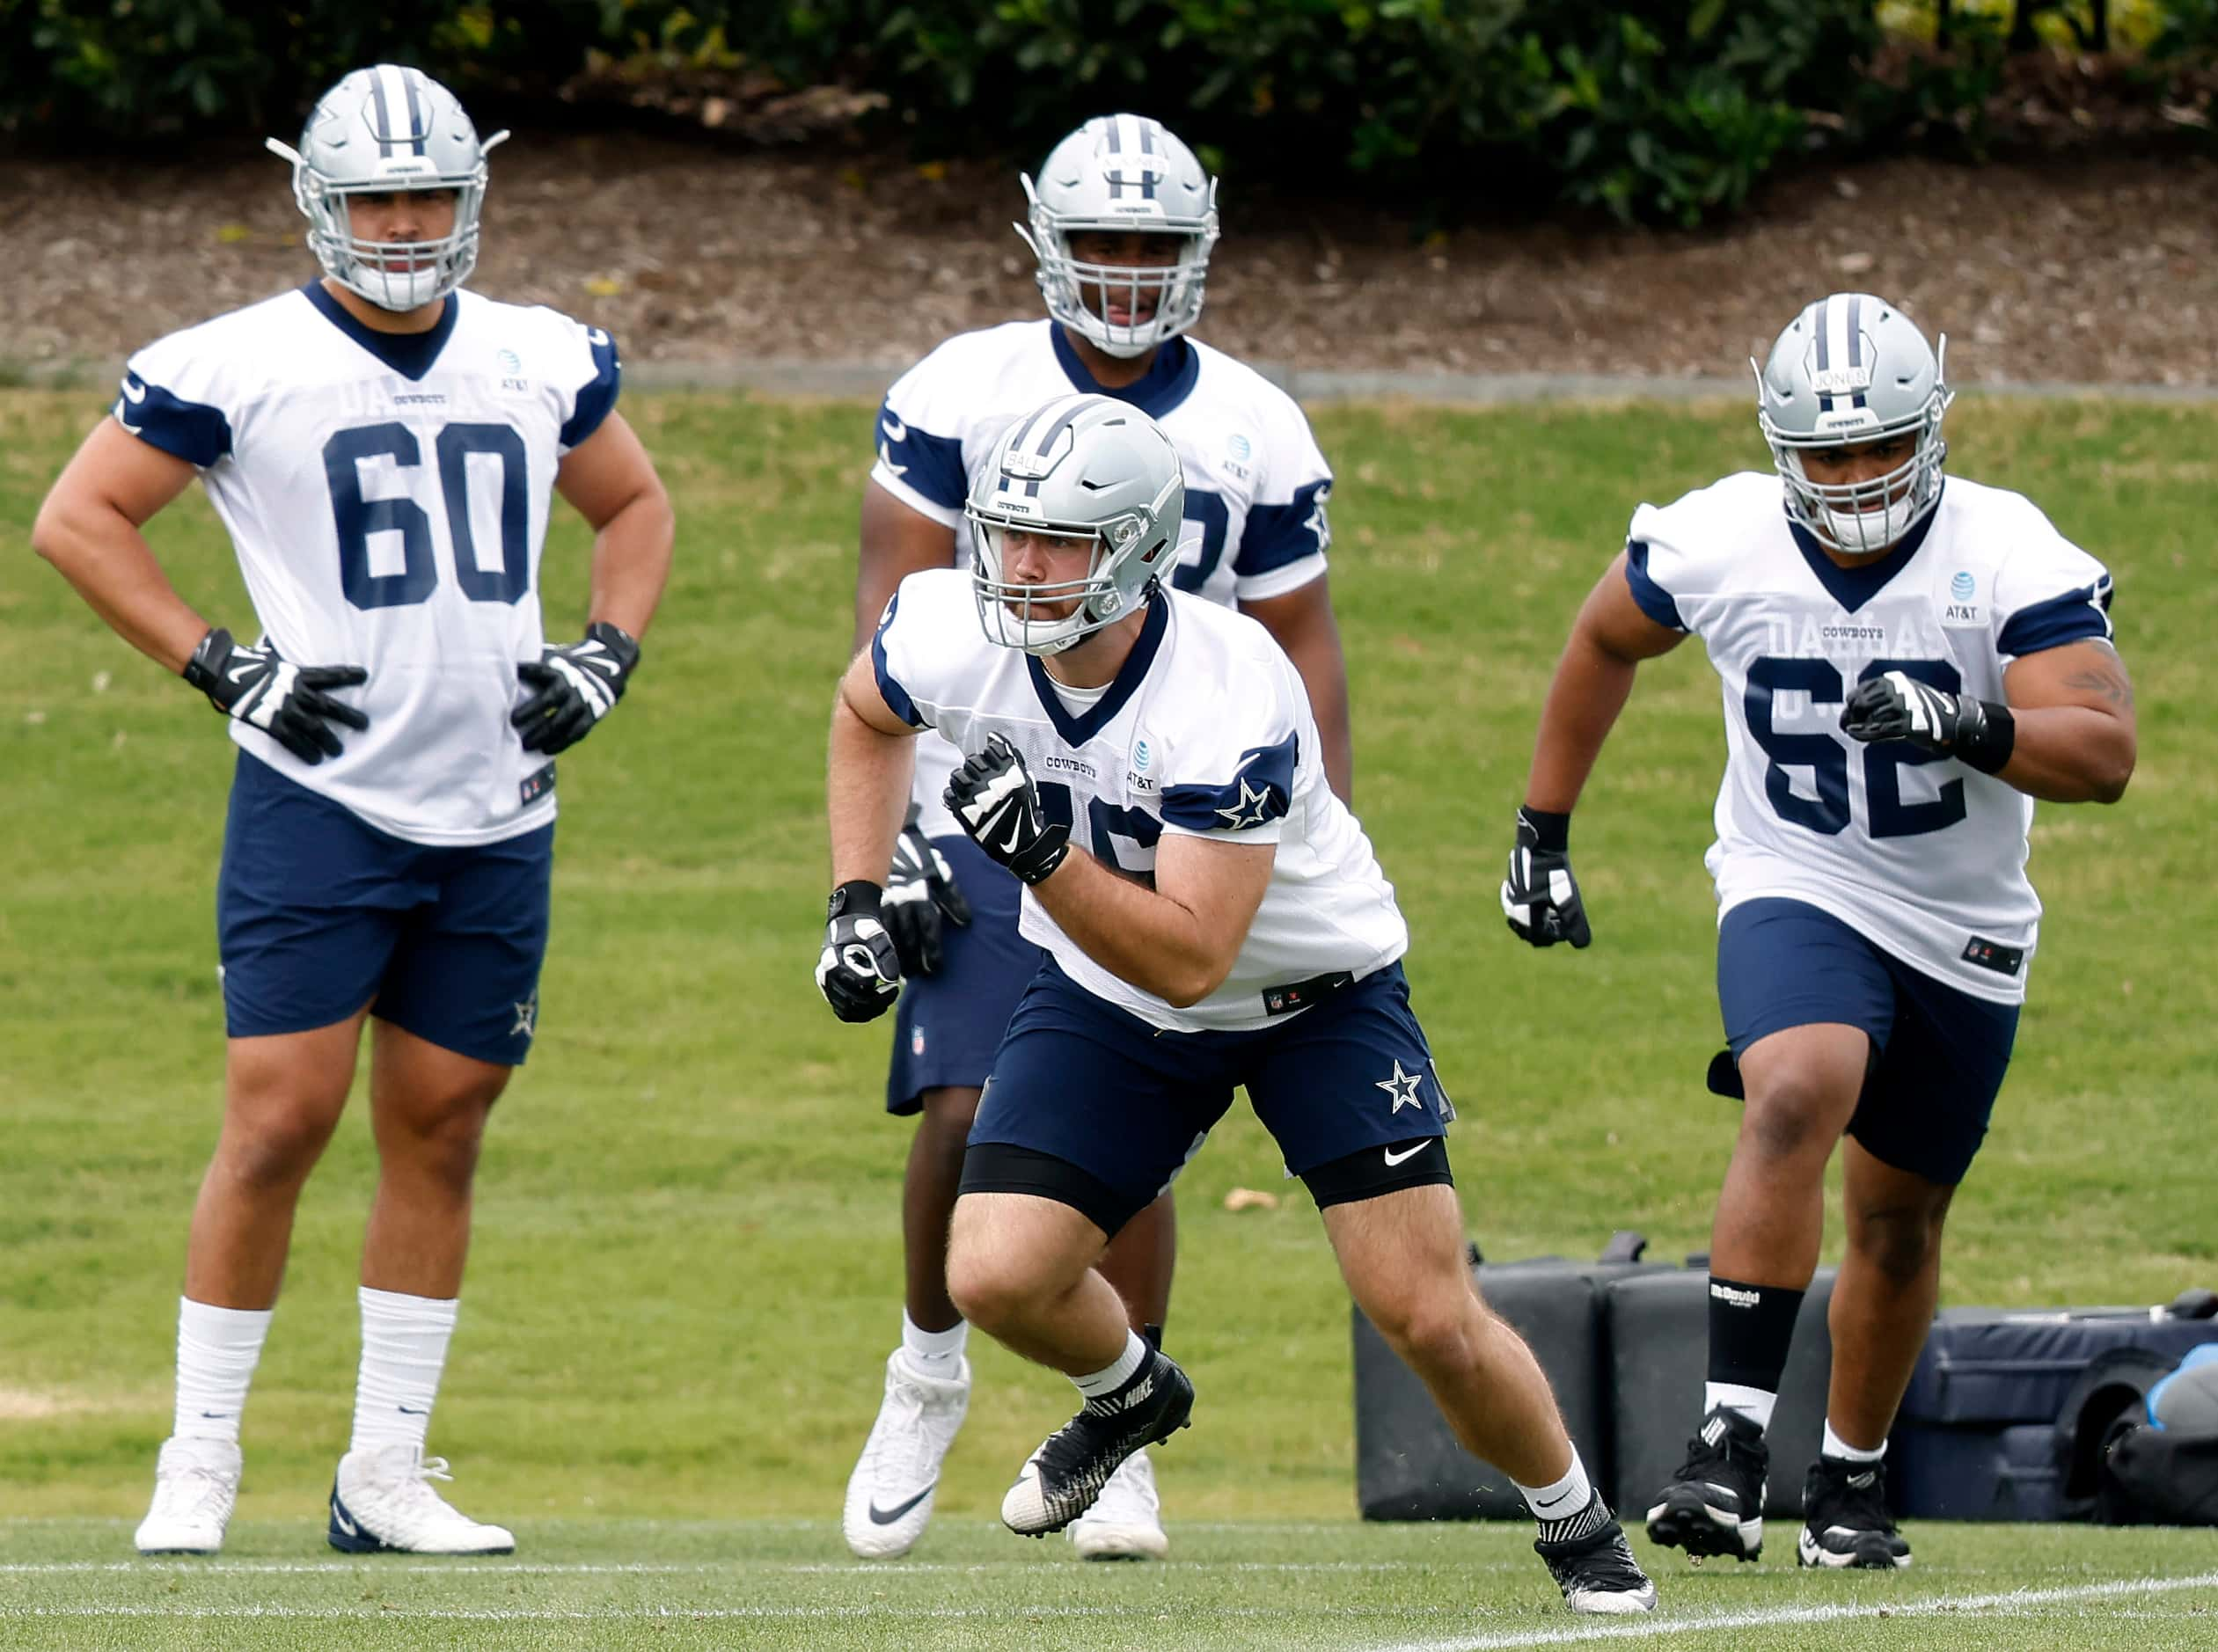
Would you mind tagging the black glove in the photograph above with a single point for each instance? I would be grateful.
(285, 701)
(578, 685)
(1895, 705)
(921, 892)
(1541, 897)
(858, 972)
(995, 801)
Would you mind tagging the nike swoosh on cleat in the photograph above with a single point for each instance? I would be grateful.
(886, 1516)
(338, 1519)
(1394, 1158)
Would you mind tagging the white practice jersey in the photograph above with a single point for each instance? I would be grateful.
(388, 498)
(1205, 731)
(1255, 483)
(1920, 854)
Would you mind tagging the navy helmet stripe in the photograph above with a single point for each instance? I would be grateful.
(1078, 406)
(1856, 342)
(1825, 402)
(1147, 137)
(1016, 442)
(419, 120)
(1115, 147)
(383, 122)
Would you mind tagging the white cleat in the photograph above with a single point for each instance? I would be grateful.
(1126, 1520)
(890, 1494)
(195, 1490)
(382, 1500)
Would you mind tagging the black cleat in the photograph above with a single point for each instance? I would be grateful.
(1845, 1518)
(1715, 1504)
(1593, 1566)
(1061, 1480)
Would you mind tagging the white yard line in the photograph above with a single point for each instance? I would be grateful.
(190, 1565)
(2010, 1603)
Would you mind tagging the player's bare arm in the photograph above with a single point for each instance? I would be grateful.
(867, 792)
(897, 540)
(1303, 622)
(859, 969)
(2074, 708)
(89, 529)
(2065, 733)
(1594, 679)
(609, 479)
(1178, 939)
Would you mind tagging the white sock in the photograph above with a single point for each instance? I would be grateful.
(1113, 1377)
(1560, 1501)
(937, 1354)
(1750, 1402)
(1835, 1446)
(217, 1352)
(404, 1348)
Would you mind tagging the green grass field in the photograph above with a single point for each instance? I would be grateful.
(686, 1271)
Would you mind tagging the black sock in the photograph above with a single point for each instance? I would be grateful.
(1750, 1328)
(1152, 1335)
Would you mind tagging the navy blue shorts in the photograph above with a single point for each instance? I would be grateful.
(946, 1027)
(1941, 1053)
(318, 913)
(1082, 1081)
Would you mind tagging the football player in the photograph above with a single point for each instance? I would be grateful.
(1906, 665)
(381, 446)
(1123, 218)
(1146, 764)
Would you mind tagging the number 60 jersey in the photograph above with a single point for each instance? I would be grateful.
(388, 496)
(1920, 854)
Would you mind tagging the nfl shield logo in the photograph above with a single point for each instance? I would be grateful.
(916, 1040)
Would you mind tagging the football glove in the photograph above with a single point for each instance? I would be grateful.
(858, 972)
(1895, 705)
(577, 685)
(287, 702)
(920, 895)
(1541, 897)
(995, 801)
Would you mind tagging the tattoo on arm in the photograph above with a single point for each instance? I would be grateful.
(2106, 680)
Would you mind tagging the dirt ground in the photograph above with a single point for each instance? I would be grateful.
(2097, 271)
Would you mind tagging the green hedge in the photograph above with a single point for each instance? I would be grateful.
(1659, 110)
(1648, 108)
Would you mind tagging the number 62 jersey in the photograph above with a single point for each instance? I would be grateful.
(1921, 855)
(387, 495)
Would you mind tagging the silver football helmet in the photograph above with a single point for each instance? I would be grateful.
(1083, 468)
(384, 129)
(1852, 369)
(1122, 172)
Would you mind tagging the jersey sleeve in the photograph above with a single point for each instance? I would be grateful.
(2049, 593)
(592, 374)
(1681, 556)
(1653, 566)
(175, 397)
(1282, 545)
(909, 654)
(1233, 776)
(918, 438)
